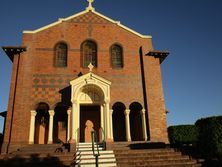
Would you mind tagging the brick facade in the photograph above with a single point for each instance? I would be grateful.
(39, 81)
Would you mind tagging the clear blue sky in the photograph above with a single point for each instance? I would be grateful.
(190, 29)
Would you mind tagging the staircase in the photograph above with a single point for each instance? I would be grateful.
(45, 155)
(85, 157)
(128, 155)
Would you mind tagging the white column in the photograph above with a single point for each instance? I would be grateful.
(107, 121)
(143, 115)
(128, 135)
(111, 123)
(68, 124)
(102, 121)
(74, 122)
(51, 116)
(32, 127)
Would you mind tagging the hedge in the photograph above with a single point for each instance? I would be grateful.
(182, 134)
(210, 136)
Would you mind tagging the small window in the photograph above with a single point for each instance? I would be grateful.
(116, 56)
(89, 53)
(61, 50)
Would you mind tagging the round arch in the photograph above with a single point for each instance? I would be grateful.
(119, 126)
(136, 128)
(41, 123)
(60, 123)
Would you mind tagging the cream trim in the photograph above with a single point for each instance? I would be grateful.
(81, 13)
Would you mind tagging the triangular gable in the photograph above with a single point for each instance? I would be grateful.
(90, 75)
(80, 15)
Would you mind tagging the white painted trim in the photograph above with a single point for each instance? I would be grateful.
(84, 12)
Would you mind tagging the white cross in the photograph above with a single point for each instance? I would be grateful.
(90, 3)
(90, 66)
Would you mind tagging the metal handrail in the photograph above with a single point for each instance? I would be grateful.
(95, 140)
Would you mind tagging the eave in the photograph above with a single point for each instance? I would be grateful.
(13, 50)
(3, 114)
(158, 54)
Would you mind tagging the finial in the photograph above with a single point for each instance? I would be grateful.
(90, 5)
(90, 66)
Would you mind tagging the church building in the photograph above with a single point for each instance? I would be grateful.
(82, 73)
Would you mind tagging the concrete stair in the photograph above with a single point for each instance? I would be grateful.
(130, 156)
(85, 157)
(48, 155)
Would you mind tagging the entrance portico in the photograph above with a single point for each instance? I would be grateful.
(90, 90)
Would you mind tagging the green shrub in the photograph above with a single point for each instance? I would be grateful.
(182, 134)
(210, 136)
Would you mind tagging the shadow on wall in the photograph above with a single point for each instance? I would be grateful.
(34, 160)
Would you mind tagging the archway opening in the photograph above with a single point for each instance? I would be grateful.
(89, 121)
(90, 99)
(119, 125)
(41, 124)
(136, 122)
(60, 124)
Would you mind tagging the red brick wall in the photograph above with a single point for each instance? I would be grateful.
(40, 81)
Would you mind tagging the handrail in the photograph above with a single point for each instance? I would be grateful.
(95, 140)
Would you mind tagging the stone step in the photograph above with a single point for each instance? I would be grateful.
(173, 154)
(159, 165)
(157, 162)
(88, 149)
(92, 160)
(152, 158)
(110, 164)
(101, 156)
(90, 152)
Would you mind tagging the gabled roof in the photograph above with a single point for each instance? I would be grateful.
(82, 13)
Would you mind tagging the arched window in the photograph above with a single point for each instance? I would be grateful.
(89, 53)
(61, 50)
(116, 56)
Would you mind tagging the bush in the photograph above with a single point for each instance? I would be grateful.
(182, 134)
(210, 136)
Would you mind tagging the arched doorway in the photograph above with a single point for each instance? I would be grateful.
(119, 125)
(60, 124)
(42, 124)
(90, 90)
(90, 100)
(136, 129)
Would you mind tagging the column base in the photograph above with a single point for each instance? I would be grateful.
(50, 142)
(72, 141)
(109, 140)
(31, 142)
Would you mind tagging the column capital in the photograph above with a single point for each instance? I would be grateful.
(33, 113)
(127, 111)
(111, 111)
(51, 112)
(69, 111)
(107, 100)
(143, 111)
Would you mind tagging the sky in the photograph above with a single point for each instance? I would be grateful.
(191, 30)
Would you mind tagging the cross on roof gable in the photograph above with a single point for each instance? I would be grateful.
(82, 13)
